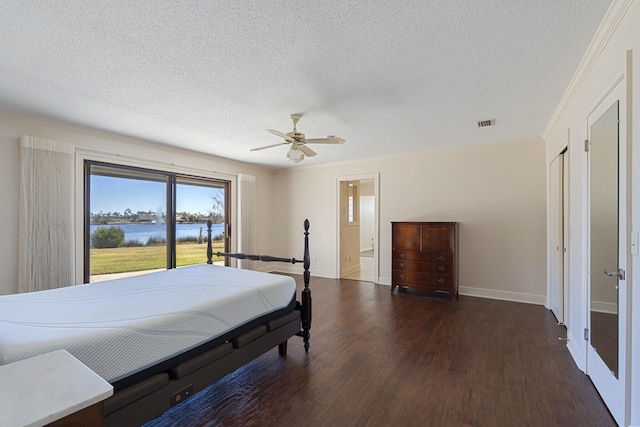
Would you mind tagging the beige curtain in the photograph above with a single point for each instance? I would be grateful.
(46, 241)
(247, 222)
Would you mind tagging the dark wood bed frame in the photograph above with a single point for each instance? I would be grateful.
(149, 394)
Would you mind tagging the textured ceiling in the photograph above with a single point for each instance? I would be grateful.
(211, 76)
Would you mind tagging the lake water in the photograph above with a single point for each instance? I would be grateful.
(142, 232)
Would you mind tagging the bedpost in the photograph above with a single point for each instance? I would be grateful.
(209, 248)
(306, 292)
(305, 305)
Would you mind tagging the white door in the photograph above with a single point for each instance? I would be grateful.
(607, 314)
(556, 296)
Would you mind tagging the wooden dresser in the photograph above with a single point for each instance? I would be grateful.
(425, 256)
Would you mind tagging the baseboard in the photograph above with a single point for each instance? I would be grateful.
(503, 295)
(295, 269)
(350, 270)
(489, 293)
(576, 353)
(384, 280)
(604, 307)
(464, 290)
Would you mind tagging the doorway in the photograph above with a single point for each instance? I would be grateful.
(358, 228)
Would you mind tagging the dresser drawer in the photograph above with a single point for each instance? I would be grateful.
(443, 281)
(423, 256)
(423, 267)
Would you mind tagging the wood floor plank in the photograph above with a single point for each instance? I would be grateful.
(379, 359)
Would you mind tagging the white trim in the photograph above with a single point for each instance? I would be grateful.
(577, 353)
(276, 267)
(614, 16)
(351, 270)
(489, 293)
(384, 280)
(502, 295)
(604, 307)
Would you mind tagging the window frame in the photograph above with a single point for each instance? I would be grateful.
(172, 180)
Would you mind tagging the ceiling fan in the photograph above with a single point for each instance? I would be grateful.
(298, 142)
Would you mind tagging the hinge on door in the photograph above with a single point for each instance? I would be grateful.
(586, 145)
(586, 334)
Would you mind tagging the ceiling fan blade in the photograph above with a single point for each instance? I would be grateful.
(307, 151)
(328, 140)
(280, 134)
(269, 146)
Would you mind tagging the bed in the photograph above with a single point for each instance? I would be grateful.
(161, 337)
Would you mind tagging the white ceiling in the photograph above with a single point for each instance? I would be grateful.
(388, 76)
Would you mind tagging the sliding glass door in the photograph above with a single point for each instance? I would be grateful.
(198, 200)
(140, 220)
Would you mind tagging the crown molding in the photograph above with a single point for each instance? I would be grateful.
(614, 16)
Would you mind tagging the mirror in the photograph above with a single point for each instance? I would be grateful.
(603, 205)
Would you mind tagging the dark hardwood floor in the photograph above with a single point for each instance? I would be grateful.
(403, 359)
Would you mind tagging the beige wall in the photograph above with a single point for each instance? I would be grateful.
(496, 191)
(116, 149)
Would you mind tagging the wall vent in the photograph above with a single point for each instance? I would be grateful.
(485, 123)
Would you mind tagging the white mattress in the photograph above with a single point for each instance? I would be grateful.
(122, 326)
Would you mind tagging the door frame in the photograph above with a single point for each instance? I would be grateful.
(376, 220)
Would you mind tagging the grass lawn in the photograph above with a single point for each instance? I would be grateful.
(123, 260)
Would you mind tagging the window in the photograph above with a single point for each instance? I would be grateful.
(139, 220)
(354, 203)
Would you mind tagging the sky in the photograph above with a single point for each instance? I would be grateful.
(110, 194)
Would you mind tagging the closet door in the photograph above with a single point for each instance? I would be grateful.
(608, 253)
(556, 246)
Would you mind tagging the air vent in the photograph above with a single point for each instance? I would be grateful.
(485, 123)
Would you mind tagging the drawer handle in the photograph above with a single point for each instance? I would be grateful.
(403, 256)
(402, 265)
(441, 281)
(441, 258)
(402, 276)
(441, 268)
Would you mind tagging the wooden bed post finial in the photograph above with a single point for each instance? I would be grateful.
(306, 292)
(209, 248)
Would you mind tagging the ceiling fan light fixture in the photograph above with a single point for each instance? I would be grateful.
(298, 142)
(295, 155)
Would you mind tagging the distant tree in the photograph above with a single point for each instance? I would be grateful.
(216, 214)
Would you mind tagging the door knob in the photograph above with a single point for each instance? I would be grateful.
(619, 273)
